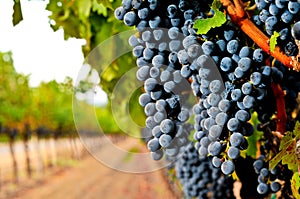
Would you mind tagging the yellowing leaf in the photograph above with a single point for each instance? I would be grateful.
(295, 185)
(273, 41)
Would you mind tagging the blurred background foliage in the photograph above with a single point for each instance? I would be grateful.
(50, 104)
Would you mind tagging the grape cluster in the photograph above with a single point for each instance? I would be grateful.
(199, 178)
(279, 16)
(228, 74)
(156, 47)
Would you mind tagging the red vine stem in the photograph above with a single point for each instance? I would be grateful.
(238, 15)
(280, 106)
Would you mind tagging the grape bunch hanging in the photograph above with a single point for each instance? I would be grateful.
(240, 60)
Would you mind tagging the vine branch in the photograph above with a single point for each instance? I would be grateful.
(238, 15)
(280, 106)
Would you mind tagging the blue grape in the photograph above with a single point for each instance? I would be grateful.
(159, 116)
(233, 46)
(173, 33)
(264, 172)
(162, 46)
(233, 153)
(150, 123)
(214, 148)
(221, 44)
(161, 105)
(226, 64)
(165, 76)
(204, 141)
(142, 25)
(271, 22)
(287, 17)
(233, 124)
(236, 139)
(188, 14)
(158, 34)
(175, 22)
(153, 145)
(258, 165)
(208, 47)
(245, 52)
(284, 34)
(186, 71)
(138, 51)
(263, 15)
(280, 3)
(247, 88)
(194, 51)
(167, 126)
(156, 132)
(242, 115)
(208, 123)
(143, 73)
(127, 4)
(130, 18)
(154, 72)
(213, 99)
(228, 34)
(215, 131)
(155, 22)
(183, 57)
(238, 72)
(133, 41)
(215, 86)
(174, 45)
(169, 86)
(221, 118)
(119, 13)
(257, 20)
(144, 99)
(296, 30)
(236, 94)
(262, 188)
(183, 116)
(273, 9)
(172, 11)
(216, 162)
(275, 187)
(227, 167)
(143, 13)
(165, 140)
(146, 35)
(293, 7)
(150, 109)
(258, 55)
(261, 4)
(224, 105)
(148, 54)
(255, 78)
(153, 4)
(177, 78)
(248, 101)
(150, 84)
(158, 61)
(213, 111)
(157, 155)
(188, 41)
(202, 151)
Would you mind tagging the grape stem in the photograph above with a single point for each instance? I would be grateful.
(238, 15)
(280, 106)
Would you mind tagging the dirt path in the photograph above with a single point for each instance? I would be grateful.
(90, 179)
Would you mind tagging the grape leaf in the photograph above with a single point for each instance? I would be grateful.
(273, 41)
(219, 18)
(287, 150)
(17, 14)
(295, 185)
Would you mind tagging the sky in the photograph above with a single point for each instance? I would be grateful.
(38, 50)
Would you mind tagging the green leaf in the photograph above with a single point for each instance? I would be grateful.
(290, 159)
(99, 8)
(295, 185)
(274, 161)
(84, 8)
(273, 41)
(286, 141)
(17, 14)
(219, 18)
(252, 140)
(296, 131)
